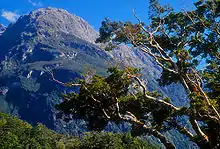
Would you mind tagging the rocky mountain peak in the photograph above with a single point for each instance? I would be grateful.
(60, 20)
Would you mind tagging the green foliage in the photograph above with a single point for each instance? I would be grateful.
(11, 129)
(18, 134)
(112, 141)
(103, 89)
(198, 103)
(104, 92)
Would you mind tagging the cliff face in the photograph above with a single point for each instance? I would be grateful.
(51, 39)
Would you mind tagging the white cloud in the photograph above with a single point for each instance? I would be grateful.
(36, 4)
(10, 16)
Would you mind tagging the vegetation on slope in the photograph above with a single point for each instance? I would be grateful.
(17, 134)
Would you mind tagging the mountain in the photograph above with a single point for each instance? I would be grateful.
(44, 40)
(51, 39)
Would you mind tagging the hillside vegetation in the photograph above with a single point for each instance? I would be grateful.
(17, 134)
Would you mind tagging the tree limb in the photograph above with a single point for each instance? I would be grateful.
(197, 129)
(62, 83)
(133, 120)
(159, 101)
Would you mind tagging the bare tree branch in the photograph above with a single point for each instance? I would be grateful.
(159, 101)
(133, 120)
(184, 131)
(151, 40)
(208, 102)
(118, 109)
(197, 129)
(62, 83)
(189, 16)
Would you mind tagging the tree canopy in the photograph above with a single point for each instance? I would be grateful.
(185, 45)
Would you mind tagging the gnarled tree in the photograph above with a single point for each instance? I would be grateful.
(185, 45)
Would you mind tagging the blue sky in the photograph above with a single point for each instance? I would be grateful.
(93, 11)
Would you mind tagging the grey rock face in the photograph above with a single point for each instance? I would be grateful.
(61, 20)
